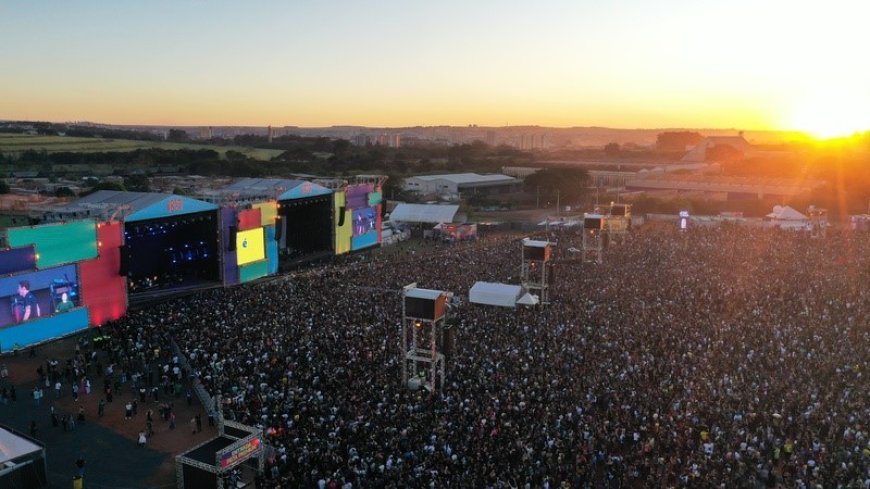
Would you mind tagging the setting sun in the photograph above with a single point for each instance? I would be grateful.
(831, 114)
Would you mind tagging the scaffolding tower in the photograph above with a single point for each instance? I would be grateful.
(593, 237)
(818, 221)
(617, 223)
(424, 313)
(535, 271)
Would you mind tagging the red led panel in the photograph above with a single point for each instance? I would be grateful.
(103, 291)
(378, 224)
(249, 219)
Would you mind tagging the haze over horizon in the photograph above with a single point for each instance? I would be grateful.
(671, 64)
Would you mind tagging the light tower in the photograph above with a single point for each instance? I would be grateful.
(423, 328)
(535, 272)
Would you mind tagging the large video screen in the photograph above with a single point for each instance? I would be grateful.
(58, 244)
(358, 195)
(29, 296)
(364, 221)
(250, 246)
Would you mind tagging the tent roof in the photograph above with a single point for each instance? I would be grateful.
(13, 446)
(142, 205)
(280, 188)
(429, 213)
(495, 294)
(136, 200)
(528, 299)
(786, 213)
(467, 178)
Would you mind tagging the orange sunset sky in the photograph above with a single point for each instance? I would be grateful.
(742, 64)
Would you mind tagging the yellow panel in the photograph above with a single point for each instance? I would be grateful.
(250, 246)
(268, 212)
(343, 233)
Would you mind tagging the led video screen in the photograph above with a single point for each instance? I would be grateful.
(28, 296)
(358, 195)
(16, 260)
(250, 219)
(268, 212)
(250, 246)
(58, 244)
(103, 290)
(364, 221)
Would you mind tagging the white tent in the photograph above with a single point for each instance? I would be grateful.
(13, 446)
(784, 217)
(528, 299)
(495, 294)
(786, 213)
(424, 213)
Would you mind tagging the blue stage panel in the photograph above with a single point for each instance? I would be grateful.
(271, 250)
(39, 330)
(364, 241)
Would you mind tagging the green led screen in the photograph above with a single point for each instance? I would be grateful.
(58, 244)
(253, 271)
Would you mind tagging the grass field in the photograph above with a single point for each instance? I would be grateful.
(17, 143)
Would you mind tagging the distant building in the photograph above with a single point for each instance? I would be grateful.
(462, 184)
(361, 140)
(699, 152)
(723, 187)
(531, 141)
(519, 171)
(206, 132)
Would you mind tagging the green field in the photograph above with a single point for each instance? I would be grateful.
(17, 143)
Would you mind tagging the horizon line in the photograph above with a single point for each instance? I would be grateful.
(463, 126)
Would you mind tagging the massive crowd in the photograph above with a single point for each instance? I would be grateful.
(722, 357)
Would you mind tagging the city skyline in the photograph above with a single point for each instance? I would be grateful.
(776, 66)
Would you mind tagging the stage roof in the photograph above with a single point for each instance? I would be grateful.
(425, 213)
(423, 293)
(13, 446)
(206, 452)
(133, 206)
(278, 188)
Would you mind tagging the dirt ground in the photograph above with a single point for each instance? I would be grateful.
(22, 372)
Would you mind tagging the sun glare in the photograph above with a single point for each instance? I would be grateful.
(831, 115)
